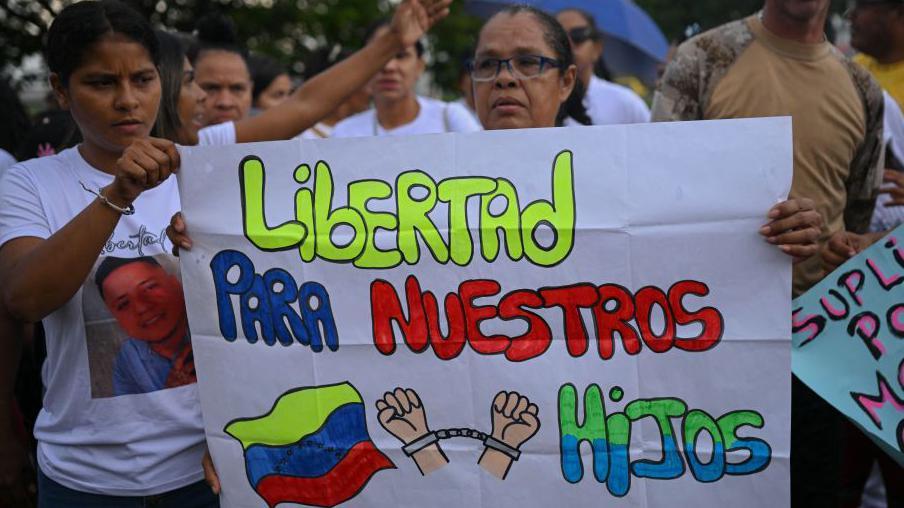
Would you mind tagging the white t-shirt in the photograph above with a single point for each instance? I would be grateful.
(434, 117)
(220, 134)
(889, 217)
(894, 127)
(610, 103)
(319, 131)
(6, 160)
(89, 439)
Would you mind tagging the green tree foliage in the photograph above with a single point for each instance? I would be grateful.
(300, 33)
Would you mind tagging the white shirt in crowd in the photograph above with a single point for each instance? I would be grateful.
(434, 117)
(128, 445)
(220, 134)
(6, 160)
(319, 131)
(610, 103)
(464, 104)
(889, 217)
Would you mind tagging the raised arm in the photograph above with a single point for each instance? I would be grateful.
(322, 94)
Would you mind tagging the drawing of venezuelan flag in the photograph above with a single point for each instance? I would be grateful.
(312, 447)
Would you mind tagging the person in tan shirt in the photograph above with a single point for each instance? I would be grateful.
(779, 63)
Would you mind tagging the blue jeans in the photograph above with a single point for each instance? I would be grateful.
(53, 495)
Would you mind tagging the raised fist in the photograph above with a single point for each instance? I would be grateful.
(514, 418)
(402, 415)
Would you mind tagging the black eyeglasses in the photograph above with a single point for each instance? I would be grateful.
(582, 34)
(519, 66)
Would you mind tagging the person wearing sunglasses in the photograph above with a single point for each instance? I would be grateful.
(877, 32)
(606, 102)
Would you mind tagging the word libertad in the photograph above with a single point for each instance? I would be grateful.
(347, 234)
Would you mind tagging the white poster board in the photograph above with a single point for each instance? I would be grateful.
(611, 330)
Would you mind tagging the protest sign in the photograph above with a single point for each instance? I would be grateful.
(848, 343)
(552, 317)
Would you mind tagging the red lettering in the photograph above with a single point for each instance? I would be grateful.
(470, 291)
(538, 337)
(572, 299)
(713, 323)
(644, 301)
(387, 308)
(616, 311)
(610, 322)
(449, 346)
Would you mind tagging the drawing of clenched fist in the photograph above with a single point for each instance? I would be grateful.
(401, 413)
(515, 421)
(514, 418)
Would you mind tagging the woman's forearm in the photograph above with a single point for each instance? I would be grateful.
(42, 275)
(320, 95)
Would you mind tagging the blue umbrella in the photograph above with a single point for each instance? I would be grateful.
(634, 43)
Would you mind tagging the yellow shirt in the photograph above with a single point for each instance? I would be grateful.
(890, 77)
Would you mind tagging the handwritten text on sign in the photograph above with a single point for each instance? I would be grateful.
(849, 340)
(360, 306)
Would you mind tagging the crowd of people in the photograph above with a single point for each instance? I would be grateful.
(120, 420)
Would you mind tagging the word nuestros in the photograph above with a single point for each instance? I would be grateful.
(347, 234)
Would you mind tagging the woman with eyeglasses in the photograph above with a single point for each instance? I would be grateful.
(524, 73)
(398, 110)
(607, 103)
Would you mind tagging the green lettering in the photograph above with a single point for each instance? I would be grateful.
(326, 219)
(359, 194)
(456, 192)
(508, 222)
(413, 218)
(559, 215)
(282, 237)
(304, 212)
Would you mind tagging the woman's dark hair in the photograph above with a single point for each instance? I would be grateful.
(83, 24)
(386, 22)
(595, 34)
(263, 71)
(111, 264)
(216, 32)
(15, 124)
(599, 67)
(172, 59)
(557, 39)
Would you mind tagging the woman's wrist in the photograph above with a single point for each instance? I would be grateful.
(389, 42)
(116, 196)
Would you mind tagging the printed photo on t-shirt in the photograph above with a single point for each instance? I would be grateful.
(136, 326)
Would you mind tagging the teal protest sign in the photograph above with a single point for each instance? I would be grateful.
(848, 341)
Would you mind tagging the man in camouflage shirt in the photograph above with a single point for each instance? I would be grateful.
(779, 63)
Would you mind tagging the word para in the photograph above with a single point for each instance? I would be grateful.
(609, 436)
(614, 308)
(317, 219)
(267, 301)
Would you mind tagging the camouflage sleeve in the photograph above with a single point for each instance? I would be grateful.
(699, 64)
(679, 93)
(865, 172)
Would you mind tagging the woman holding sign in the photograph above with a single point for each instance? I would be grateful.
(523, 74)
(111, 196)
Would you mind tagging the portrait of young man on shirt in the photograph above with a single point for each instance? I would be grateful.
(148, 306)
